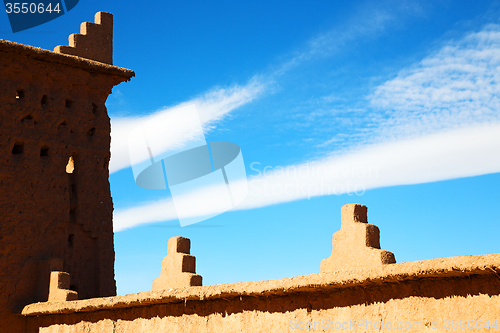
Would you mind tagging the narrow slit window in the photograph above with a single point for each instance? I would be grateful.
(44, 100)
(69, 103)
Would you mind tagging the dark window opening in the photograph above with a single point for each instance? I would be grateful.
(44, 151)
(44, 100)
(27, 118)
(19, 94)
(94, 108)
(69, 103)
(70, 240)
(18, 148)
(91, 132)
(72, 215)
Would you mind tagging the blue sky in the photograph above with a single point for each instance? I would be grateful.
(394, 104)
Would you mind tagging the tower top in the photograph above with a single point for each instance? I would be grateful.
(94, 42)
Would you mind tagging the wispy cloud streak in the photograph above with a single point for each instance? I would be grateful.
(371, 20)
(212, 107)
(458, 85)
(451, 154)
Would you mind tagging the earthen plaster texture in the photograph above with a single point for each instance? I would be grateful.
(357, 243)
(52, 108)
(95, 40)
(423, 291)
(178, 268)
(368, 296)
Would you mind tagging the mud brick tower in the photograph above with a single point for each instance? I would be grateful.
(55, 201)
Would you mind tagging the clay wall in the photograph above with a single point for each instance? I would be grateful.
(360, 288)
(55, 215)
(414, 294)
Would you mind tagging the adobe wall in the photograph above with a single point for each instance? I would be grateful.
(360, 288)
(418, 293)
(55, 217)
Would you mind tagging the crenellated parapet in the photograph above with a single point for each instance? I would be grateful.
(94, 42)
(357, 243)
(178, 268)
(59, 287)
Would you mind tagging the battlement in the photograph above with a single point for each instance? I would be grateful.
(357, 243)
(95, 40)
(59, 287)
(418, 293)
(178, 268)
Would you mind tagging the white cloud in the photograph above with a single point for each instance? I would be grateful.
(212, 107)
(121, 127)
(451, 154)
(458, 85)
(155, 211)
